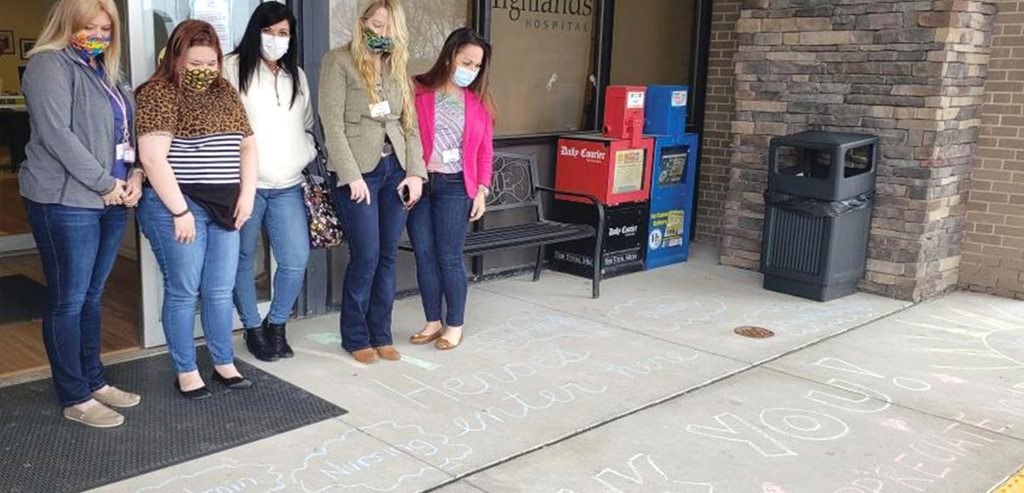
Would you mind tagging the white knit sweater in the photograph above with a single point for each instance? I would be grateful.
(282, 143)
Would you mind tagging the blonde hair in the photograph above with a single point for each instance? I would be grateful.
(397, 60)
(68, 17)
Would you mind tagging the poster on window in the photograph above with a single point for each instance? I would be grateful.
(542, 70)
(218, 14)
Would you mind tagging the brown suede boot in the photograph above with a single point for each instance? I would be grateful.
(365, 356)
(389, 353)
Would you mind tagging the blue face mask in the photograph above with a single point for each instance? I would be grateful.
(463, 77)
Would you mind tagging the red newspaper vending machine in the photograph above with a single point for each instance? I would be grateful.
(615, 167)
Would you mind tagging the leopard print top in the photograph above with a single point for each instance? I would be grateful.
(182, 112)
(206, 130)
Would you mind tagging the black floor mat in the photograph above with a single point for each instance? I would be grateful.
(41, 451)
(21, 299)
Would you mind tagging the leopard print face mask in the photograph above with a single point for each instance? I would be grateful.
(200, 79)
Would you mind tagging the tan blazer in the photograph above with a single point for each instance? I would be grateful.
(355, 139)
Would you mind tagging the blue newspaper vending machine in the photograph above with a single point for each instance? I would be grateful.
(674, 175)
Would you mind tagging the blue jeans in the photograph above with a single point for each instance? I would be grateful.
(204, 268)
(283, 214)
(78, 248)
(437, 229)
(372, 231)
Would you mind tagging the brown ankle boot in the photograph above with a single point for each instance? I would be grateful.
(365, 356)
(389, 353)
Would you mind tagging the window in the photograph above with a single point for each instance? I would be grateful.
(542, 75)
(652, 42)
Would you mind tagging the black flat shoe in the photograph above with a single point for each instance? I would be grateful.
(236, 383)
(196, 395)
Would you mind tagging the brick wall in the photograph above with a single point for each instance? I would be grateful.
(714, 166)
(993, 247)
(911, 72)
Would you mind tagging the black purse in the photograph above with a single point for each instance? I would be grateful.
(322, 197)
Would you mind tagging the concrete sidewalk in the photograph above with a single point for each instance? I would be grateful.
(648, 390)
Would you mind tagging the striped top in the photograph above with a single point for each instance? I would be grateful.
(449, 127)
(214, 160)
(206, 130)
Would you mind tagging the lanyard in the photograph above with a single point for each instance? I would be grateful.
(114, 93)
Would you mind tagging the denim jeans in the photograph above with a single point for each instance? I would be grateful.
(77, 248)
(204, 268)
(283, 214)
(437, 229)
(372, 231)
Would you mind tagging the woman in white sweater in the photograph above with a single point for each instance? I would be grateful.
(276, 96)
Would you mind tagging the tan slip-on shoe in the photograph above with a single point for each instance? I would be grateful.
(98, 416)
(389, 353)
(420, 339)
(365, 356)
(115, 397)
(444, 345)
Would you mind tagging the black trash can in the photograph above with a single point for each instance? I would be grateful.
(818, 213)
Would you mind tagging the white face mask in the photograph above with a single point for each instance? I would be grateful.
(274, 47)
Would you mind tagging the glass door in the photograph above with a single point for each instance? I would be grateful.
(23, 298)
(150, 25)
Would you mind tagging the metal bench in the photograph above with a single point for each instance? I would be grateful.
(515, 186)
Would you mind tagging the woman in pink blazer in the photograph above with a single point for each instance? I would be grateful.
(456, 120)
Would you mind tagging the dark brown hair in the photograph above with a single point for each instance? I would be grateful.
(442, 70)
(188, 34)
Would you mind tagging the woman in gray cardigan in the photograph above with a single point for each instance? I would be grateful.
(370, 124)
(77, 180)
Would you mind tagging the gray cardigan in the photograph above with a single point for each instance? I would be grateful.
(70, 155)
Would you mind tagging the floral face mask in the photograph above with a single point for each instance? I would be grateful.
(377, 43)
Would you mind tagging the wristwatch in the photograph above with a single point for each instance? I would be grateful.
(484, 190)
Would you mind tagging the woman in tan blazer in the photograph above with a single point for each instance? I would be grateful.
(370, 125)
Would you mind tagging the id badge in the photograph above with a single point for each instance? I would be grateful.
(450, 156)
(129, 154)
(380, 109)
(119, 152)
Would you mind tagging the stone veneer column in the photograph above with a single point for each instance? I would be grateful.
(911, 72)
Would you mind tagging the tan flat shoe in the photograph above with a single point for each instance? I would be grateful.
(115, 397)
(365, 356)
(420, 339)
(98, 416)
(389, 353)
(444, 345)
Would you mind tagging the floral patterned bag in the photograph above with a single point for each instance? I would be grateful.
(325, 229)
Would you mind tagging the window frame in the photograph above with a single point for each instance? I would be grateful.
(701, 30)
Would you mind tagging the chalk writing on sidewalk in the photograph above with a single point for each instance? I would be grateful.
(339, 464)
(803, 319)
(923, 464)
(531, 331)
(667, 313)
(641, 475)
(225, 478)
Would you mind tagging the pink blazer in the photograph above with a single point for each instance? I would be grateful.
(477, 140)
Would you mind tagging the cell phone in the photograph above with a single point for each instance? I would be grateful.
(403, 192)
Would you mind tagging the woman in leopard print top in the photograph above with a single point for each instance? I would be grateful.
(200, 158)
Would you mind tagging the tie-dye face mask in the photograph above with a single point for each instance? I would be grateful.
(90, 44)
